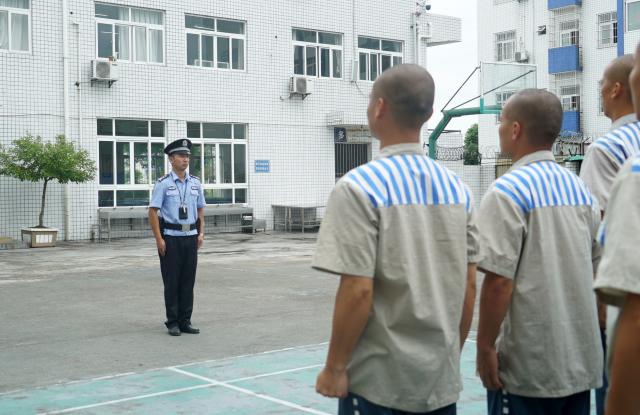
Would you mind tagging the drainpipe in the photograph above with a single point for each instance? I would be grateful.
(65, 77)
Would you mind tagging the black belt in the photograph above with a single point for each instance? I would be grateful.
(181, 227)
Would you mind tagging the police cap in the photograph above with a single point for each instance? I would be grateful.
(182, 146)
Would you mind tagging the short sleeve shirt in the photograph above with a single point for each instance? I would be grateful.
(538, 226)
(408, 223)
(619, 270)
(606, 156)
(169, 193)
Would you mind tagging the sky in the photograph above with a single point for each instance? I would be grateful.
(451, 64)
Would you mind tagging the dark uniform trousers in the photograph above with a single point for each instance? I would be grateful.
(178, 267)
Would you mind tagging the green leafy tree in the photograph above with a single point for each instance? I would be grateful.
(31, 159)
(471, 152)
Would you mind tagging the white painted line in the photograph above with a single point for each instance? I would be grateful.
(133, 398)
(251, 393)
(253, 354)
(298, 369)
(222, 359)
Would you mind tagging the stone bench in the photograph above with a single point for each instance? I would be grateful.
(134, 221)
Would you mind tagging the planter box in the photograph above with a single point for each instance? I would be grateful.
(40, 237)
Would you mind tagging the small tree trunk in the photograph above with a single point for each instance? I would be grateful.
(44, 193)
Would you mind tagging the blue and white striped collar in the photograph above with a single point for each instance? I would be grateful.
(532, 158)
(404, 148)
(624, 120)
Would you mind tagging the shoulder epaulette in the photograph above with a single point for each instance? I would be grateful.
(194, 177)
(163, 177)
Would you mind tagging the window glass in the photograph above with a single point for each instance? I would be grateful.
(141, 44)
(325, 68)
(241, 196)
(374, 66)
(633, 15)
(385, 62)
(105, 162)
(330, 38)
(298, 60)
(225, 163)
(146, 16)
(239, 132)
(200, 23)
(105, 40)
(223, 52)
(238, 53)
(105, 127)
(368, 43)
(304, 35)
(397, 60)
(337, 63)
(4, 30)
(20, 32)
(193, 130)
(123, 160)
(193, 49)
(156, 49)
(157, 161)
(229, 26)
(216, 130)
(218, 196)
(122, 42)
(363, 66)
(132, 128)
(195, 165)
(105, 198)
(207, 51)
(209, 175)
(141, 163)
(239, 166)
(132, 197)
(311, 61)
(392, 46)
(108, 11)
(157, 128)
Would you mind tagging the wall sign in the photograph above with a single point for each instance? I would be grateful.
(339, 135)
(263, 166)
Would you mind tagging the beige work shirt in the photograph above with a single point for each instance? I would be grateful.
(605, 157)
(538, 226)
(619, 270)
(406, 222)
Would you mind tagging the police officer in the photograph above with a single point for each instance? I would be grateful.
(179, 233)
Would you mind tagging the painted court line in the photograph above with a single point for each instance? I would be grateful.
(210, 383)
(251, 393)
(281, 372)
(133, 398)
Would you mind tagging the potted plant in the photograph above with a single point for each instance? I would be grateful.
(31, 159)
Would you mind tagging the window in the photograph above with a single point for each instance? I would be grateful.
(569, 33)
(14, 25)
(505, 46)
(376, 56)
(317, 54)
(130, 160)
(219, 159)
(607, 29)
(215, 43)
(633, 15)
(501, 99)
(349, 156)
(570, 97)
(129, 34)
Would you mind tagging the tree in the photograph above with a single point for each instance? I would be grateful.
(471, 152)
(31, 159)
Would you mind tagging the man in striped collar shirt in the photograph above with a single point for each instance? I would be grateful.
(400, 232)
(538, 225)
(606, 156)
(618, 281)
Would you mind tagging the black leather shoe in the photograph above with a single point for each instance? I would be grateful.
(189, 329)
(174, 331)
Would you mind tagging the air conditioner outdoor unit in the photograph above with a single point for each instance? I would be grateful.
(301, 85)
(104, 71)
(521, 56)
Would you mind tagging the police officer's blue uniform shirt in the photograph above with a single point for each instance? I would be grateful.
(167, 196)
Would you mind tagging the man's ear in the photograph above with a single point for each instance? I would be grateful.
(617, 90)
(516, 131)
(380, 109)
(429, 115)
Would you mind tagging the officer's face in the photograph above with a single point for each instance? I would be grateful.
(179, 161)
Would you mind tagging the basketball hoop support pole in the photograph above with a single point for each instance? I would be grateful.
(448, 115)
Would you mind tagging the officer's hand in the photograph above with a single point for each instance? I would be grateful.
(487, 366)
(333, 383)
(162, 247)
(200, 240)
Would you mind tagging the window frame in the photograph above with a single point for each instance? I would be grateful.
(16, 10)
(318, 47)
(215, 34)
(609, 26)
(379, 53)
(626, 15)
(570, 33)
(500, 45)
(132, 26)
(233, 141)
(131, 140)
(573, 98)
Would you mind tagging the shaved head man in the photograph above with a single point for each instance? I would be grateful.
(400, 233)
(537, 225)
(605, 157)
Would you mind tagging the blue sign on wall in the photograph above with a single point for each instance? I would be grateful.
(263, 166)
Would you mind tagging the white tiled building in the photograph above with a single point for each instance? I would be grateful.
(570, 41)
(218, 72)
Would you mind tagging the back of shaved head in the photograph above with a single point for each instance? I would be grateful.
(618, 71)
(409, 90)
(539, 112)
